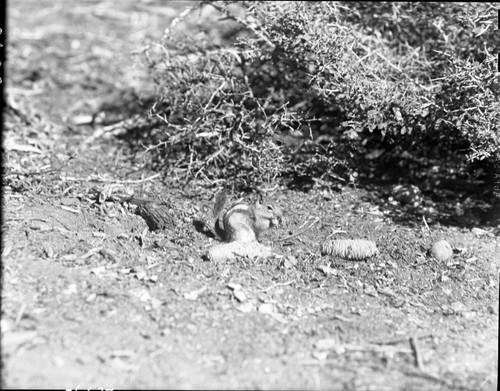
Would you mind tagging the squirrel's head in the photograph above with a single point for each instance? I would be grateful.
(269, 209)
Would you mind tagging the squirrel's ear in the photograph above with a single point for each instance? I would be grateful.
(260, 200)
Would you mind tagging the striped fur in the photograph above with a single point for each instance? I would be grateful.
(243, 222)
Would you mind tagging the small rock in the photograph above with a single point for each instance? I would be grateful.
(49, 251)
(266, 308)
(90, 298)
(240, 295)
(6, 325)
(245, 307)
(468, 315)
(320, 355)
(194, 294)
(370, 290)
(441, 250)
(326, 344)
(153, 278)
(233, 286)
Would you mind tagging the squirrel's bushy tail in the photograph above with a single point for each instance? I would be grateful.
(220, 202)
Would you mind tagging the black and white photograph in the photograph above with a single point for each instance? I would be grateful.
(250, 195)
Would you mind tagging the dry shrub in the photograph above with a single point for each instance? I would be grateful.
(257, 90)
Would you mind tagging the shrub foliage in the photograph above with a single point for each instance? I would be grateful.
(255, 90)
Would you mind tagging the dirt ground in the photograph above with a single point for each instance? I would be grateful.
(92, 298)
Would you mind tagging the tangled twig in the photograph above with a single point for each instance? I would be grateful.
(300, 232)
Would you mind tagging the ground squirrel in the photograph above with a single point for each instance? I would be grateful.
(243, 222)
